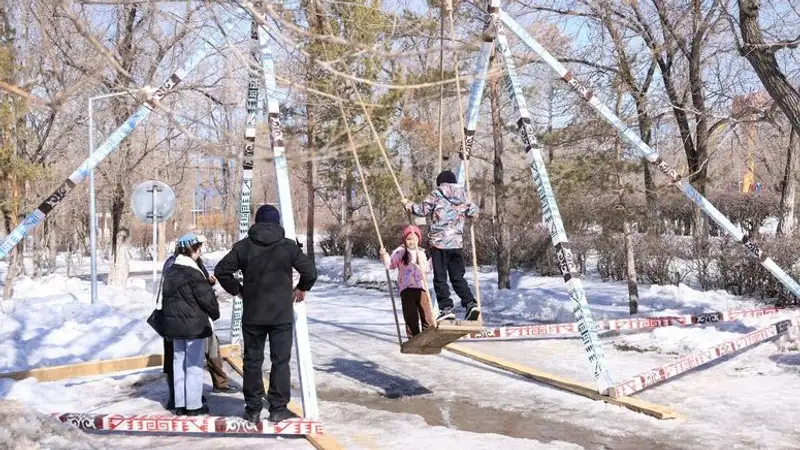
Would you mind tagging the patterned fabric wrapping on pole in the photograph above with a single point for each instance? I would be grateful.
(82, 172)
(699, 358)
(570, 329)
(301, 338)
(551, 216)
(247, 167)
(653, 156)
(474, 102)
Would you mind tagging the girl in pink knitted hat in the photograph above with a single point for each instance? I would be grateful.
(412, 265)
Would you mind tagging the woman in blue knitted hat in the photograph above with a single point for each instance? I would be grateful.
(219, 379)
(187, 304)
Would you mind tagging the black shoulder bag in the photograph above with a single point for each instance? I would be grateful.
(156, 319)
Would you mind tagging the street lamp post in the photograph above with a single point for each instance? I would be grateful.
(92, 195)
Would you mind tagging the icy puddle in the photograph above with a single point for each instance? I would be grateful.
(460, 414)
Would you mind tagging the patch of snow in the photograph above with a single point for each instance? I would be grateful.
(22, 428)
(53, 323)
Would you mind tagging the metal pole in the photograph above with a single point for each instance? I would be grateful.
(155, 245)
(92, 209)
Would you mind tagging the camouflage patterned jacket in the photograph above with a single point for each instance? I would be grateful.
(447, 207)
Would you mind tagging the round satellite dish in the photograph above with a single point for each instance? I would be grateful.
(142, 201)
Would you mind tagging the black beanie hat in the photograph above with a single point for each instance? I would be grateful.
(268, 214)
(446, 177)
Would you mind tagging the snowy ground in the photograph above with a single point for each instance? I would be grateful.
(374, 397)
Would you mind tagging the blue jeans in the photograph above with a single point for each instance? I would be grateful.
(187, 366)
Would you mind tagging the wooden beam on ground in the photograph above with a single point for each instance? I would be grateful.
(586, 390)
(101, 367)
(319, 441)
(431, 341)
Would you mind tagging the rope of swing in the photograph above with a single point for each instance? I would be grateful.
(364, 182)
(445, 4)
(377, 138)
(364, 186)
(385, 155)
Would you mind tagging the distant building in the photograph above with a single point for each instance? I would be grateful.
(746, 109)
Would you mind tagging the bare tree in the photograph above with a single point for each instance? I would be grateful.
(502, 237)
(684, 40)
(786, 223)
(761, 55)
(639, 90)
(677, 36)
(316, 22)
(627, 219)
(30, 135)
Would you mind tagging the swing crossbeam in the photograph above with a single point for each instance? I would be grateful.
(431, 341)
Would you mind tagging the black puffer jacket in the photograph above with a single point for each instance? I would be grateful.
(266, 260)
(188, 301)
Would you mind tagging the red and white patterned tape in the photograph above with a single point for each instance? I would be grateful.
(697, 359)
(634, 323)
(186, 424)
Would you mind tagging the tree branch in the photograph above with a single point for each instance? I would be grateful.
(773, 47)
(590, 64)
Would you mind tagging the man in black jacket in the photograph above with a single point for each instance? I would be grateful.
(266, 259)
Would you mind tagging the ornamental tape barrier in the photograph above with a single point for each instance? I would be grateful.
(186, 424)
(634, 323)
(697, 359)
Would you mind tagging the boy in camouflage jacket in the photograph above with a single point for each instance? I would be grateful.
(446, 207)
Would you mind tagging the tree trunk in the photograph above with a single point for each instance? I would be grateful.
(118, 274)
(651, 200)
(501, 233)
(551, 95)
(22, 268)
(786, 221)
(698, 166)
(311, 176)
(16, 256)
(14, 262)
(650, 194)
(316, 20)
(695, 156)
(630, 265)
(70, 252)
(117, 209)
(342, 200)
(162, 241)
(39, 247)
(639, 93)
(761, 56)
(227, 182)
(125, 47)
(11, 273)
(627, 227)
(347, 271)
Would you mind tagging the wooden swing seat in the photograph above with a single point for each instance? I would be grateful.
(432, 340)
